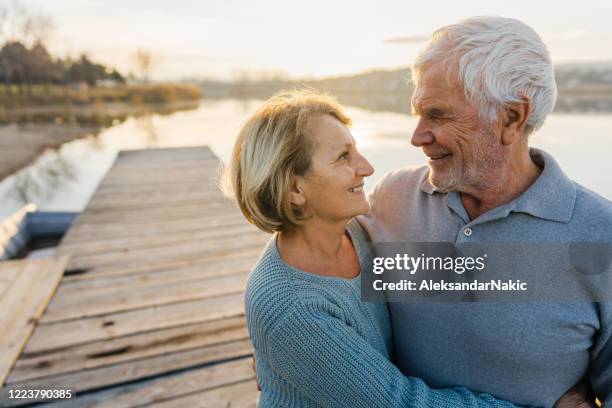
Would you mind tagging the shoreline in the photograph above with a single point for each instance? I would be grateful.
(36, 129)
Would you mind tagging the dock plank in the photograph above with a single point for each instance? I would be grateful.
(148, 240)
(240, 395)
(164, 253)
(142, 269)
(27, 287)
(85, 380)
(234, 380)
(128, 348)
(79, 331)
(196, 271)
(80, 305)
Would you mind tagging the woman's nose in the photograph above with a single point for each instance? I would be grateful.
(364, 169)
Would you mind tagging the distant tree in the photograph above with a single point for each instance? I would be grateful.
(24, 59)
(13, 63)
(116, 76)
(84, 70)
(144, 62)
(41, 67)
(23, 66)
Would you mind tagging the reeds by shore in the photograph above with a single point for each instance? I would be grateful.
(15, 96)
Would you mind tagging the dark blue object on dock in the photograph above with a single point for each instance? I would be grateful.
(29, 229)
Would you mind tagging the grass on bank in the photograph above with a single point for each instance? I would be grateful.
(15, 97)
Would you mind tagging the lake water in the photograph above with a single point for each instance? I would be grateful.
(65, 179)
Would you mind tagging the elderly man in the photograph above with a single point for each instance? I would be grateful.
(482, 87)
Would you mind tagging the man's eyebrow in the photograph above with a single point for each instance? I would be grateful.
(437, 110)
(433, 110)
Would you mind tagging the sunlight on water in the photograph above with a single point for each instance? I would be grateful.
(581, 143)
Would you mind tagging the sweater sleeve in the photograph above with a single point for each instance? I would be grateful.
(331, 364)
(601, 357)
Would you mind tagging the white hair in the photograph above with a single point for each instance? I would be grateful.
(498, 60)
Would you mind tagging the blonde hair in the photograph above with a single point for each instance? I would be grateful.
(273, 146)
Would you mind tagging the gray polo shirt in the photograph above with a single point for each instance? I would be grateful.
(527, 353)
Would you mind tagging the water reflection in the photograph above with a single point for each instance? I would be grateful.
(101, 115)
(147, 125)
(66, 178)
(399, 102)
(601, 103)
(41, 181)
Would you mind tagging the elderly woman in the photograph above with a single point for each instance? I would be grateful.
(296, 172)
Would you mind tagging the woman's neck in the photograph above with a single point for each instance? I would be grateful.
(318, 247)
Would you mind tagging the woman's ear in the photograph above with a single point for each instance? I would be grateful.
(297, 197)
(514, 120)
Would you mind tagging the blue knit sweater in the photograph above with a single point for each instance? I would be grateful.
(318, 345)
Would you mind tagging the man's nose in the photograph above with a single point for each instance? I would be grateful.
(422, 135)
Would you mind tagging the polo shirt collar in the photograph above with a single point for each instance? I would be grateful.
(552, 196)
(426, 186)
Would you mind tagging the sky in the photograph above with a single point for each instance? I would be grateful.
(227, 39)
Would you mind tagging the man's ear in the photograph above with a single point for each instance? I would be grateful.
(514, 120)
(297, 197)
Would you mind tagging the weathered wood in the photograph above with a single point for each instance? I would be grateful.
(165, 390)
(198, 210)
(144, 241)
(80, 331)
(158, 188)
(88, 305)
(214, 200)
(128, 348)
(168, 154)
(161, 253)
(189, 168)
(27, 287)
(140, 268)
(86, 380)
(203, 178)
(151, 308)
(239, 395)
(117, 183)
(128, 201)
(85, 236)
(210, 268)
(154, 215)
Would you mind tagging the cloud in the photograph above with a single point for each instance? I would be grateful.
(411, 39)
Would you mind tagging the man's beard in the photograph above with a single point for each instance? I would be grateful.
(446, 181)
(474, 172)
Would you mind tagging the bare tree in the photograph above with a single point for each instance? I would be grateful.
(144, 62)
(37, 29)
(17, 23)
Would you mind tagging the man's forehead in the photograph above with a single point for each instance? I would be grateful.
(438, 89)
(424, 94)
(439, 77)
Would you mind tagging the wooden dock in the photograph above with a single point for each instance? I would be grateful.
(150, 309)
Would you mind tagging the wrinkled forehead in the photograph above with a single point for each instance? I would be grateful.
(437, 84)
(443, 73)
